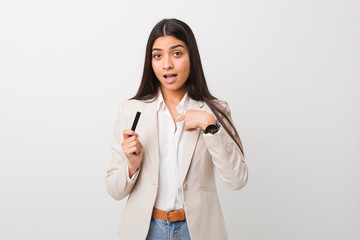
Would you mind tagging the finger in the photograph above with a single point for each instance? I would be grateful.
(137, 147)
(134, 150)
(140, 144)
(128, 133)
(129, 140)
(131, 144)
(181, 118)
(138, 150)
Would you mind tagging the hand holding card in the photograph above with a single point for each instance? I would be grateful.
(132, 147)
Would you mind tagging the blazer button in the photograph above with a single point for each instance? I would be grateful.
(228, 150)
(185, 187)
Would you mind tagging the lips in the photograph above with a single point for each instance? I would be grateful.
(170, 78)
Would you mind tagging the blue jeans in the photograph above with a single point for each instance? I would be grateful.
(162, 229)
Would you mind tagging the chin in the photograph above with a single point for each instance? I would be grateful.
(172, 87)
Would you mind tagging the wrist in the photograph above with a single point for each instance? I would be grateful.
(132, 169)
(212, 128)
(208, 121)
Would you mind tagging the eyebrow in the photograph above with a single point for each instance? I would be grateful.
(175, 46)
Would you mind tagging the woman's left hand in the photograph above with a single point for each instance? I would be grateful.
(196, 119)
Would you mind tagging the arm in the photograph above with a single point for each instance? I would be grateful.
(117, 184)
(227, 157)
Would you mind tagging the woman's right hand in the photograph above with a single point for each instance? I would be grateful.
(133, 150)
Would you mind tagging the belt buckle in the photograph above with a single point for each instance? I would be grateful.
(168, 216)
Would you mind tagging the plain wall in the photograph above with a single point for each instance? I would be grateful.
(290, 71)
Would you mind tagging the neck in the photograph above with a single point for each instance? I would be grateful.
(173, 97)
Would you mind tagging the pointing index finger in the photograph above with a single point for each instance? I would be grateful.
(180, 118)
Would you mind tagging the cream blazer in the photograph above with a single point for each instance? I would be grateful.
(201, 155)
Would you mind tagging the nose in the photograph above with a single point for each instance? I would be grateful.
(167, 64)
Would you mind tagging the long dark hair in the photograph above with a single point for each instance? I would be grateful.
(196, 84)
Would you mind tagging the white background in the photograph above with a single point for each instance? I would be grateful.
(290, 71)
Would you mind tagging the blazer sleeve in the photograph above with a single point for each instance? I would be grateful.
(227, 158)
(117, 184)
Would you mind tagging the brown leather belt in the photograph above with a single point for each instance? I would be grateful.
(171, 216)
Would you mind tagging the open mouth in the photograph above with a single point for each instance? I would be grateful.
(170, 76)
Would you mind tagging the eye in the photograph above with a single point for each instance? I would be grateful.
(156, 55)
(177, 53)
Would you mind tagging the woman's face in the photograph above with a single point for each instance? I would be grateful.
(171, 63)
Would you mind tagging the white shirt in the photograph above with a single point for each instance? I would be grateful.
(170, 195)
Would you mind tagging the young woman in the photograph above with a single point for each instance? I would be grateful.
(166, 166)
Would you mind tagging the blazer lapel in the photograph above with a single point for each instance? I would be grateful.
(189, 141)
(149, 126)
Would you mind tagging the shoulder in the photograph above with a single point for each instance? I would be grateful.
(222, 104)
(131, 106)
(132, 103)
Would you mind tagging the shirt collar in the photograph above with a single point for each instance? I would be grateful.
(181, 107)
(160, 102)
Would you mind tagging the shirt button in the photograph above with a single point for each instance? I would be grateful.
(185, 187)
